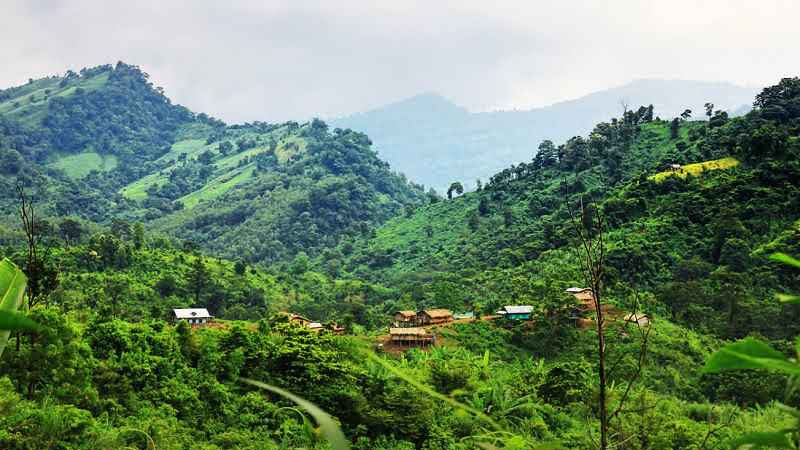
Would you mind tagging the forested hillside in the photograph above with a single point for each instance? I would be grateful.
(106, 143)
(263, 224)
(434, 141)
(693, 242)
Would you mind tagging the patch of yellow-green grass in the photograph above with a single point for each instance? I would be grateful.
(217, 186)
(290, 146)
(138, 189)
(191, 147)
(79, 165)
(232, 161)
(29, 112)
(697, 168)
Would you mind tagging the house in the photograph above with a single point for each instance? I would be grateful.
(585, 297)
(639, 319)
(434, 316)
(193, 316)
(464, 315)
(299, 320)
(517, 312)
(411, 336)
(315, 326)
(405, 318)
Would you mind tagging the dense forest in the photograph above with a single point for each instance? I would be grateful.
(107, 144)
(120, 207)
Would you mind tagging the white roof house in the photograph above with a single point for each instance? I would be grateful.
(192, 313)
(518, 309)
(575, 290)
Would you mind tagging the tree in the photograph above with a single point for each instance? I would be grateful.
(455, 187)
(483, 206)
(674, 126)
(300, 264)
(648, 115)
(686, 114)
(11, 161)
(782, 99)
(43, 277)
(70, 230)
(709, 109)
(138, 236)
(120, 228)
(199, 278)
(240, 267)
(474, 221)
(588, 222)
(508, 217)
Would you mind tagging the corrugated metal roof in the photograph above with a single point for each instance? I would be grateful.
(192, 313)
(575, 290)
(315, 325)
(518, 309)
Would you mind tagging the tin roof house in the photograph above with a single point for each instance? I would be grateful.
(517, 312)
(193, 316)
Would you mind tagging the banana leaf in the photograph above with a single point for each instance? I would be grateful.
(12, 290)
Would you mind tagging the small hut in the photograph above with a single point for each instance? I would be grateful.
(315, 326)
(585, 297)
(434, 316)
(517, 312)
(299, 320)
(639, 319)
(193, 316)
(405, 318)
(411, 336)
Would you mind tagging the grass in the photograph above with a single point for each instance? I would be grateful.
(697, 168)
(31, 113)
(79, 165)
(217, 186)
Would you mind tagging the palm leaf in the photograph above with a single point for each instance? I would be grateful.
(328, 426)
(12, 290)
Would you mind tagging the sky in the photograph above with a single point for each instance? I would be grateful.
(292, 60)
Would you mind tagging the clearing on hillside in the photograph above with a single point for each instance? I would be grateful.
(697, 168)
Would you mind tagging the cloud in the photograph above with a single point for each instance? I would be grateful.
(274, 61)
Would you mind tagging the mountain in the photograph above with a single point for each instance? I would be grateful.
(693, 243)
(106, 367)
(435, 142)
(105, 144)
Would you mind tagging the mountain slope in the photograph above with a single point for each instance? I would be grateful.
(693, 245)
(435, 142)
(105, 143)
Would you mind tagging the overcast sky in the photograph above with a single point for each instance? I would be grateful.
(280, 60)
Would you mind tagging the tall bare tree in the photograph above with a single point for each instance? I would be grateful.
(42, 276)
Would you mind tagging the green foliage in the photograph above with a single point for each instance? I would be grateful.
(327, 425)
(12, 290)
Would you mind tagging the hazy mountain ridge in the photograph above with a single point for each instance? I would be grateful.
(434, 141)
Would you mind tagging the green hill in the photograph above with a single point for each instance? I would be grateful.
(700, 234)
(106, 143)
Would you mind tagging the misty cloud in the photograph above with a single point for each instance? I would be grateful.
(255, 60)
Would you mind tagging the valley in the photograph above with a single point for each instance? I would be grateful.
(119, 207)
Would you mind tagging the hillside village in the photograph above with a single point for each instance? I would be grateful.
(192, 284)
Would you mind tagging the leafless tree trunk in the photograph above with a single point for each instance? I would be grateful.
(588, 225)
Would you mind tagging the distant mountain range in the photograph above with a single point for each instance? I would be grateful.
(435, 142)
